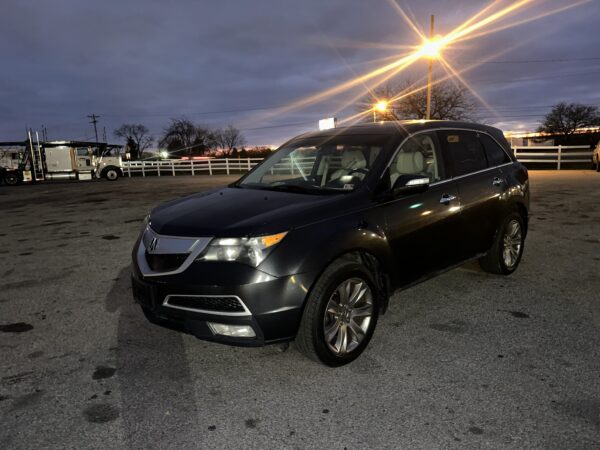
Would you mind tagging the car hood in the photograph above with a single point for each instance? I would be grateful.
(232, 212)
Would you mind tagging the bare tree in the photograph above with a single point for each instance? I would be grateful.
(409, 101)
(137, 137)
(564, 119)
(182, 136)
(228, 139)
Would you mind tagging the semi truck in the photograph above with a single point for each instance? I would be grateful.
(33, 161)
(72, 160)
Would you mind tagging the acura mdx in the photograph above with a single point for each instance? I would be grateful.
(310, 244)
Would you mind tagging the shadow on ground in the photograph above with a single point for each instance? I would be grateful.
(157, 393)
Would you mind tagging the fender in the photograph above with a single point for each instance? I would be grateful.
(315, 247)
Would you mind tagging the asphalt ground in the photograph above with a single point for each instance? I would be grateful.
(465, 360)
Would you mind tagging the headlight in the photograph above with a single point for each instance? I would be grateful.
(248, 250)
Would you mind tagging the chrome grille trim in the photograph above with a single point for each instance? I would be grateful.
(246, 311)
(193, 246)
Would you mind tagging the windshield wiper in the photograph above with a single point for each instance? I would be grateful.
(301, 189)
(295, 188)
(292, 188)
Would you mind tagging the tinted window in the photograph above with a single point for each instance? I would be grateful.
(419, 155)
(463, 152)
(494, 153)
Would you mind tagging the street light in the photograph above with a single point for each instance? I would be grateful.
(380, 106)
(430, 50)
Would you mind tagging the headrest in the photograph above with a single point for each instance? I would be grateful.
(353, 159)
(412, 162)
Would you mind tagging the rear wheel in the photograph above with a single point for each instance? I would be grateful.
(340, 315)
(507, 250)
(11, 178)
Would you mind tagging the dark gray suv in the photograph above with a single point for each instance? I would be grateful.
(310, 245)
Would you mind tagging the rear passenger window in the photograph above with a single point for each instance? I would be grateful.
(494, 153)
(463, 152)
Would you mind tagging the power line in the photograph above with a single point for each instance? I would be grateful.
(539, 61)
(279, 126)
(524, 109)
(283, 125)
(201, 113)
(506, 80)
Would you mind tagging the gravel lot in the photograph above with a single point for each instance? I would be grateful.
(466, 360)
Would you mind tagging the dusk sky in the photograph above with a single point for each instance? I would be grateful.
(221, 62)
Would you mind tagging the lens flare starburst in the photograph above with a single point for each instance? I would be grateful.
(495, 16)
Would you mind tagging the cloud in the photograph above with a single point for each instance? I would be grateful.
(147, 61)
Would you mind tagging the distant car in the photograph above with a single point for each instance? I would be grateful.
(596, 157)
(312, 242)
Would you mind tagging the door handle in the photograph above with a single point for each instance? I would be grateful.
(447, 198)
(497, 181)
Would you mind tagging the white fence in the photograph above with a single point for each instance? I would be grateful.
(558, 155)
(172, 167)
(204, 166)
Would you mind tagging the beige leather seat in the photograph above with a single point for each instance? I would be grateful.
(408, 163)
(352, 160)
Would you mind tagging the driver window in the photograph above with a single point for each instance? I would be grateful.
(418, 156)
(298, 164)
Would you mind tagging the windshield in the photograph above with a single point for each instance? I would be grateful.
(316, 165)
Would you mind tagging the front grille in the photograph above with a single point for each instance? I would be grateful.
(165, 262)
(225, 304)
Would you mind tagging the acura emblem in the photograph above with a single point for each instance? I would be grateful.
(153, 244)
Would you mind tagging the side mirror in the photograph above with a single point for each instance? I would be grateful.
(410, 184)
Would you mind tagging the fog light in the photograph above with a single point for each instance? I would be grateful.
(231, 330)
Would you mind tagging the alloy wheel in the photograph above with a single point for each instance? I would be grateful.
(513, 240)
(347, 316)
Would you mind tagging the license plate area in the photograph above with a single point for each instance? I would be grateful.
(144, 295)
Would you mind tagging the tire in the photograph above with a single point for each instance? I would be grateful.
(11, 178)
(111, 174)
(317, 316)
(511, 235)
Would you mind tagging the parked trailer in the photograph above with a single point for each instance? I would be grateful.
(11, 159)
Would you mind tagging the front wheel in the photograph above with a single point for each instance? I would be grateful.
(111, 174)
(340, 315)
(507, 250)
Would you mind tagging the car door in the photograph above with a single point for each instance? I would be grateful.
(479, 187)
(421, 227)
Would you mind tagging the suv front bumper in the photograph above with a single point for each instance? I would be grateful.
(272, 306)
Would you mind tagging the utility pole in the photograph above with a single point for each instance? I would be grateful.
(104, 134)
(430, 70)
(94, 120)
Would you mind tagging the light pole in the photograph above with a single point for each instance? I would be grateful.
(430, 70)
